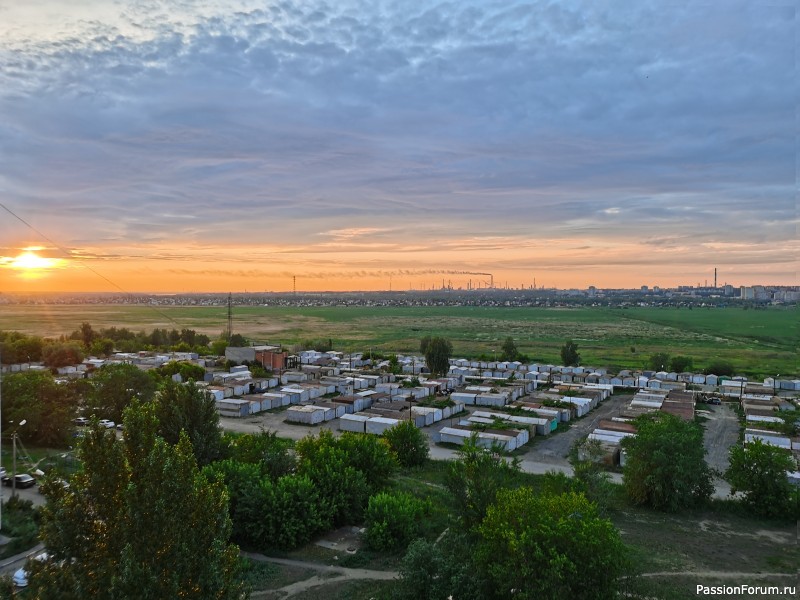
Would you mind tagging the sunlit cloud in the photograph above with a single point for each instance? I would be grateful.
(180, 142)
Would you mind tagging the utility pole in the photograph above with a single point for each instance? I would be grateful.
(230, 318)
(14, 474)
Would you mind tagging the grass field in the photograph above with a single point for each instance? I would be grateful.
(757, 342)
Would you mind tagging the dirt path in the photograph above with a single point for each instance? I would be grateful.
(328, 574)
(717, 574)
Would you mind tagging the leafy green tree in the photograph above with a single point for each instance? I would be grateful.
(720, 367)
(408, 443)
(18, 348)
(102, 347)
(343, 490)
(134, 522)
(422, 573)
(436, 571)
(666, 466)
(510, 352)
(187, 370)
(759, 471)
(424, 343)
(187, 408)
(47, 407)
(658, 361)
(437, 355)
(681, 364)
(57, 354)
(561, 548)
(475, 478)
(87, 335)
(218, 347)
(393, 520)
(299, 512)
(238, 340)
(7, 587)
(394, 365)
(371, 455)
(114, 386)
(589, 472)
(569, 354)
(265, 449)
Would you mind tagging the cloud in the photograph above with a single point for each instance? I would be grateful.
(460, 126)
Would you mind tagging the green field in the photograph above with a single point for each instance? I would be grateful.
(757, 342)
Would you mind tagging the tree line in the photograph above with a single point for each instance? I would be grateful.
(85, 341)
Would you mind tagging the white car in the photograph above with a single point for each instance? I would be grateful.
(21, 574)
(107, 423)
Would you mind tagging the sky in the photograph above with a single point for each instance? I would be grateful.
(195, 146)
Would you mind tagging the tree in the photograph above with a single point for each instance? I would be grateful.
(87, 335)
(47, 407)
(393, 520)
(134, 521)
(186, 408)
(424, 343)
(759, 471)
(720, 367)
(408, 443)
(510, 352)
(102, 347)
(264, 449)
(437, 355)
(238, 340)
(666, 465)
(658, 361)
(186, 370)
(115, 386)
(371, 455)
(343, 489)
(569, 354)
(474, 480)
(436, 571)
(680, 363)
(589, 472)
(560, 549)
(57, 355)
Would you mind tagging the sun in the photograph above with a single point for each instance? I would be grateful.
(31, 265)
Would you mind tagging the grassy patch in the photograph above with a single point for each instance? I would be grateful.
(707, 540)
(757, 342)
(349, 590)
(259, 575)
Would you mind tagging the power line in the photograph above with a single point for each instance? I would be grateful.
(80, 262)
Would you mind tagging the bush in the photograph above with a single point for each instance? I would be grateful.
(392, 520)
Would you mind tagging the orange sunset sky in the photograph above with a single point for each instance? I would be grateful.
(231, 146)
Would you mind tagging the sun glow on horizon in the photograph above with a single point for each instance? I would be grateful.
(31, 265)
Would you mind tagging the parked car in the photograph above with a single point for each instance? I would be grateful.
(107, 423)
(81, 421)
(21, 574)
(23, 480)
(120, 426)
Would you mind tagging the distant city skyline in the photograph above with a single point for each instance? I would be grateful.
(227, 146)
